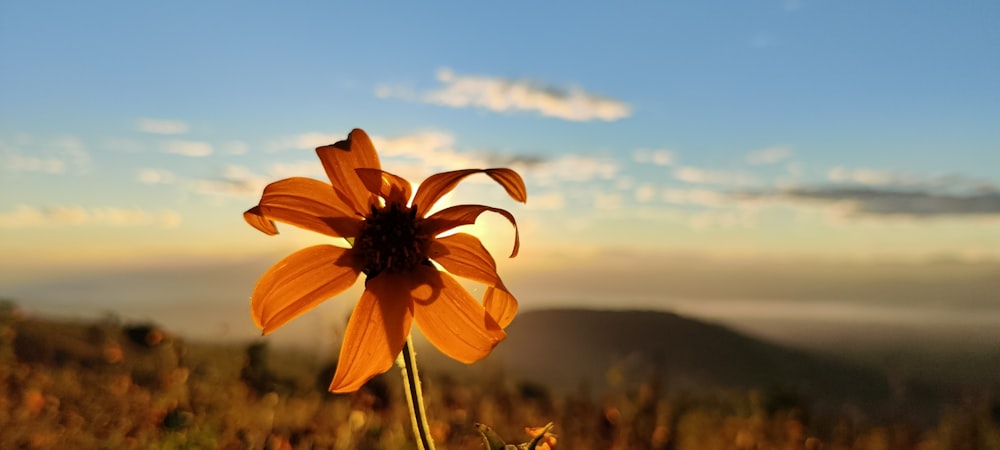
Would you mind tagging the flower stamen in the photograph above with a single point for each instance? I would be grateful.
(390, 240)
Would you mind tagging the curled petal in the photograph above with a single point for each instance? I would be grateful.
(341, 159)
(511, 182)
(306, 203)
(500, 303)
(393, 188)
(299, 282)
(463, 255)
(453, 320)
(435, 186)
(376, 331)
(256, 219)
(459, 215)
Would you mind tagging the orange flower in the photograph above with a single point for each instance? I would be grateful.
(543, 439)
(392, 244)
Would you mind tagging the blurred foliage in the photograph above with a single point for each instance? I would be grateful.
(109, 385)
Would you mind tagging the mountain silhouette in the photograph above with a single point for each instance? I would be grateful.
(563, 348)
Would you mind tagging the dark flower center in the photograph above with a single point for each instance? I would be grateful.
(390, 241)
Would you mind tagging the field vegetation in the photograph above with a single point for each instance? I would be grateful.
(109, 385)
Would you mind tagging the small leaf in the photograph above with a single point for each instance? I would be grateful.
(490, 437)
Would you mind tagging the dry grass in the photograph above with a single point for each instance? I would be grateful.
(96, 386)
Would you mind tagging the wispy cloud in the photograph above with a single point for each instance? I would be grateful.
(311, 168)
(429, 150)
(607, 201)
(573, 168)
(697, 175)
(698, 197)
(155, 176)
(914, 203)
(161, 126)
(644, 193)
(235, 181)
(305, 141)
(24, 216)
(657, 157)
(867, 177)
(21, 163)
(235, 148)
(704, 220)
(194, 149)
(771, 155)
(123, 145)
(870, 177)
(412, 155)
(510, 95)
(50, 156)
(546, 201)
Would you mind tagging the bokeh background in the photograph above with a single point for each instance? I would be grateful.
(818, 174)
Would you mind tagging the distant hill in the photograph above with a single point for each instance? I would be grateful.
(559, 349)
(562, 348)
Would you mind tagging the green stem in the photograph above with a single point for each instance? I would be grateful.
(415, 398)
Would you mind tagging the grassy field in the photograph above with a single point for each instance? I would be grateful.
(110, 385)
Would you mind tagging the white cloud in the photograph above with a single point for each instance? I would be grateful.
(645, 193)
(657, 157)
(19, 163)
(574, 168)
(24, 216)
(161, 126)
(306, 141)
(194, 149)
(624, 183)
(955, 184)
(306, 168)
(412, 156)
(605, 201)
(794, 169)
(51, 156)
(870, 177)
(699, 197)
(155, 176)
(722, 219)
(546, 201)
(419, 154)
(770, 155)
(74, 150)
(123, 145)
(235, 181)
(235, 148)
(505, 95)
(706, 176)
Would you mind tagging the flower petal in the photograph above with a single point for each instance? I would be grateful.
(500, 303)
(451, 319)
(306, 203)
(340, 159)
(301, 281)
(256, 219)
(393, 188)
(463, 255)
(459, 215)
(376, 331)
(435, 186)
(511, 182)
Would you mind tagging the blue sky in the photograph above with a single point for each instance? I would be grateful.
(134, 135)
